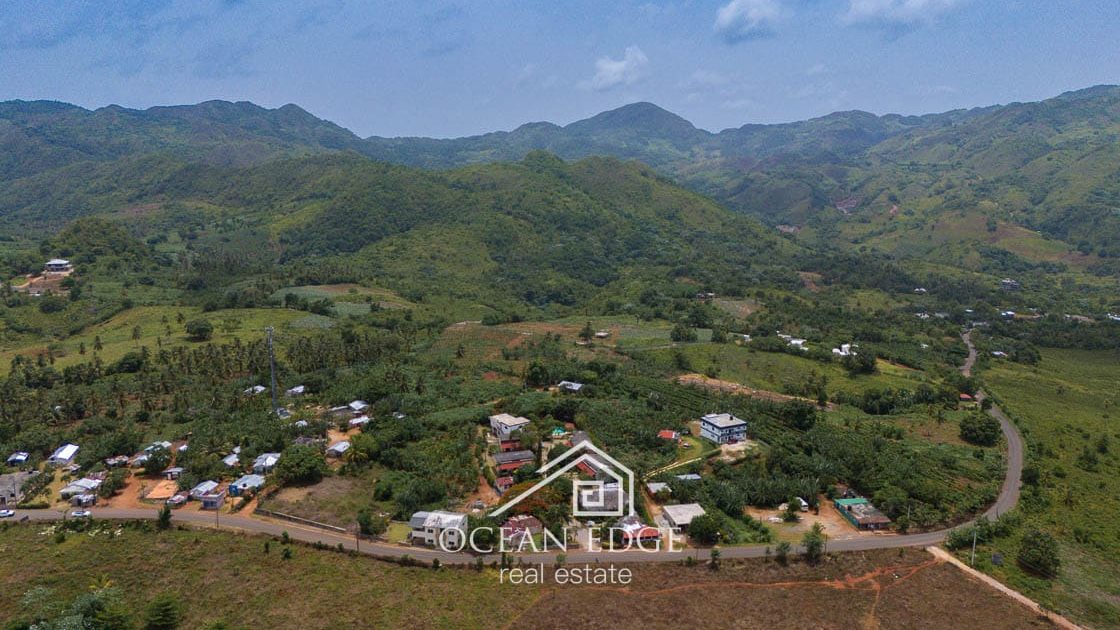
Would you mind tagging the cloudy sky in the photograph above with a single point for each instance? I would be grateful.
(447, 68)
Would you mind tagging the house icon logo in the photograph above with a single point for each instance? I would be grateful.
(610, 493)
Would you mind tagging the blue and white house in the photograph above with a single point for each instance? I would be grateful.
(723, 428)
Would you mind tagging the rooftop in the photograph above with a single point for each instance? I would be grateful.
(723, 420)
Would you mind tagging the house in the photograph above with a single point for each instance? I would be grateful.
(63, 455)
(609, 498)
(18, 458)
(173, 473)
(11, 487)
(668, 434)
(298, 390)
(307, 440)
(338, 449)
(117, 461)
(503, 484)
(689, 477)
(247, 484)
(213, 500)
(81, 486)
(634, 531)
(602, 334)
(232, 460)
(447, 529)
(1000, 354)
(657, 486)
(203, 489)
(921, 290)
(1007, 284)
(357, 407)
(1114, 317)
(510, 461)
(254, 390)
(155, 446)
(140, 460)
(339, 412)
(723, 428)
(265, 462)
(569, 386)
(83, 500)
(58, 265)
(680, 516)
(845, 350)
(861, 513)
(178, 500)
(1007, 314)
(503, 425)
(517, 528)
(360, 421)
(282, 413)
(966, 398)
(512, 444)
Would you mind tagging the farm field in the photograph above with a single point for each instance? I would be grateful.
(116, 334)
(232, 579)
(779, 372)
(1064, 406)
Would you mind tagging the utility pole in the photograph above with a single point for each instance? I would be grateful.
(972, 562)
(271, 367)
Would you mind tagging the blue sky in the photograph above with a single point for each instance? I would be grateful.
(444, 68)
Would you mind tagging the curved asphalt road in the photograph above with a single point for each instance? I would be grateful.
(1008, 497)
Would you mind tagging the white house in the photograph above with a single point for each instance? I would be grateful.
(254, 390)
(680, 516)
(18, 458)
(570, 386)
(338, 449)
(358, 406)
(265, 462)
(845, 350)
(298, 390)
(81, 486)
(723, 428)
(360, 421)
(448, 529)
(57, 265)
(203, 489)
(503, 425)
(247, 484)
(63, 455)
(231, 460)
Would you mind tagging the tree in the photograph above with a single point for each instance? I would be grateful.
(682, 332)
(199, 329)
(164, 521)
(300, 464)
(158, 460)
(980, 429)
(1038, 553)
(813, 542)
(781, 553)
(163, 613)
(587, 332)
(704, 529)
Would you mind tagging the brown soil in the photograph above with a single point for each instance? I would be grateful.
(738, 388)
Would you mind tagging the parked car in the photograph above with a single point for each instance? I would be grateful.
(81, 514)
(7, 513)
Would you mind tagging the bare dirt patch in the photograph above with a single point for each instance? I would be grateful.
(730, 387)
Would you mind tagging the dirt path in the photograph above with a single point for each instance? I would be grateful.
(1034, 606)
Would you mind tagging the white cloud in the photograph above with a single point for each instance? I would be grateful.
(742, 20)
(897, 12)
(816, 69)
(610, 73)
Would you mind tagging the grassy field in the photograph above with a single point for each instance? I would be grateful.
(1065, 405)
(336, 500)
(229, 578)
(346, 295)
(779, 371)
(116, 334)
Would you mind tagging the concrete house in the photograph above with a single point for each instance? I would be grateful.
(680, 516)
(510, 461)
(63, 455)
(503, 425)
(448, 529)
(862, 514)
(58, 265)
(81, 486)
(265, 462)
(11, 487)
(723, 428)
(247, 484)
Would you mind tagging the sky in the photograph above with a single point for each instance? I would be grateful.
(447, 68)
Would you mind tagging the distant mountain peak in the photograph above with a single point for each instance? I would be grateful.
(642, 116)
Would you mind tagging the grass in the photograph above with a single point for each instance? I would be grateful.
(228, 577)
(336, 500)
(344, 295)
(116, 333)
(780, 372)
(1064, 405)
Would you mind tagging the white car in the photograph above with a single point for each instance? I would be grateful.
(81, 514)
(7, 513)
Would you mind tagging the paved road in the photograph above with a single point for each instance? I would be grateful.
(1008, 497)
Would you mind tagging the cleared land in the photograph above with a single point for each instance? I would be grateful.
(231, 578)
